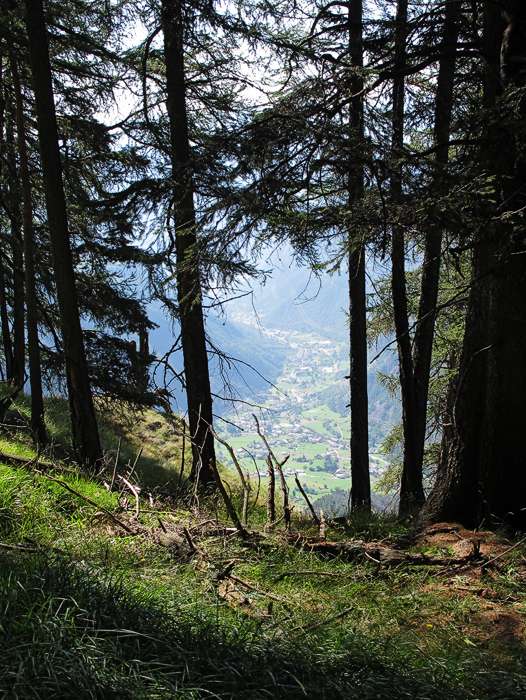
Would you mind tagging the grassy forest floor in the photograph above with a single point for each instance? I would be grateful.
(182, 607)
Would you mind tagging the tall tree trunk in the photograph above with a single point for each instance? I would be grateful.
(361, 487)
(38, 429)
(17, 257)
(411, 483)
(483, 474)
(84, 424)
(4, 315)
(189, 291)
(411, 490)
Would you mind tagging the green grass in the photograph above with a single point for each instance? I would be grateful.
(160, 461)
(95, 614)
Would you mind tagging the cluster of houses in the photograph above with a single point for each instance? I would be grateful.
(315, 362)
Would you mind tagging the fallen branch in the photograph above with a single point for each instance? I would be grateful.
(357, 549)
(29, 549)
(20, 548)
(506, 551)
(259, 591)
(228, 503)
(136, 491)
(110, 515)
(307, 500)
(189, 539)
(23, 461)
(331, 574)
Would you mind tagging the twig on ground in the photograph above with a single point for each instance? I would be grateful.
(110, 515)
(135, 462)
(228, 503)
(331, 574)
(30, 550)
(257, 590)
(190, 541)
(321, 623)
(20, 548)
(136, 491)
(307, 500)
(23, 461)
(506, 551)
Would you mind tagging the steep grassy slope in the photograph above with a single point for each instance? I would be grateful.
(88, 610)
(150, 432)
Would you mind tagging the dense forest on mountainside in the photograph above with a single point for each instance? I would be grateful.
(262, 372)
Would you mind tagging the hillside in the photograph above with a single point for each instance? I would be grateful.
(101, 603)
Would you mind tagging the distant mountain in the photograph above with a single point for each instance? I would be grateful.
(296, 299)
(252, 332)
(252, 361)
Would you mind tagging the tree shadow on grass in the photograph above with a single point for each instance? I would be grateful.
(69, 632)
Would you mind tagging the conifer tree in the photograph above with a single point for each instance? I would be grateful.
(197, 380)
(35, 373)
(84, 425)
(481, 475)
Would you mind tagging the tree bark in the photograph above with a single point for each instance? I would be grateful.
(360, 477)
(4, 315)
(38, 428)
(482, 476)
(411, 490)
(144, 359)
(189, 290)
(6, 331)
(411, 484)
(84, 424)
(17, 257)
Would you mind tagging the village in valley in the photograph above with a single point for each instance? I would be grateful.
(303, 416)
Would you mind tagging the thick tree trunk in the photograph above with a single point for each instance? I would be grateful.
(411, 491)
(84, 424)
(38, 429)
(189, 291)
(483, 474)
(360, 477)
